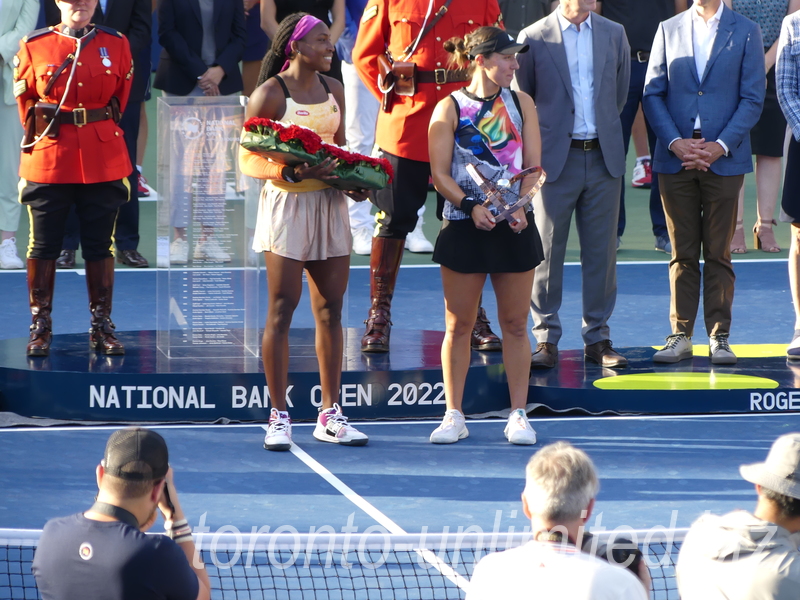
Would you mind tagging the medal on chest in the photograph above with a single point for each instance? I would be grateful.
(104, 56)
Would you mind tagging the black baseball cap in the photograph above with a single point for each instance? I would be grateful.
(501, 42)
(136, 454)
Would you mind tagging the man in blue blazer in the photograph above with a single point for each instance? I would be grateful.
(703, 93)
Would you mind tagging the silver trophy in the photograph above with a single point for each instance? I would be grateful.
(500, 195)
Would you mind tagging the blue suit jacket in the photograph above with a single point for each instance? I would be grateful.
(728, 97)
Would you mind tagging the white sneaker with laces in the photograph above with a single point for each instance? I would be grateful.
(677, 348)
(719, 351)
(279, 431)
(8, 255)
(209, 249)
(362, 241)
(642, 173)
(518, 430)
(452, 429)
(179, 252)
(332, 426)
(416, 240)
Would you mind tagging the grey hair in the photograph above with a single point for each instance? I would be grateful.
(560, 481)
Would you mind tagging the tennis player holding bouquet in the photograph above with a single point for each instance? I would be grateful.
(302, 222)
(487, 127)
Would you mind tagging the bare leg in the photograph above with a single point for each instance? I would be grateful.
(284, 286)
(639, 135)
(462, 292)
(513, 303)
(768, 182)
(794, 272)
(141, 140)
(327, 282)
(250, 70)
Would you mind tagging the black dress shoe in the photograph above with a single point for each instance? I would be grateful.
(604, 355)
(545, 356)
(132, 258)
(66, 260)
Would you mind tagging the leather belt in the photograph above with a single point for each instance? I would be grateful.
(641, 56)
(697, 134)
(442, 76)
(81, 116)
(585, 145)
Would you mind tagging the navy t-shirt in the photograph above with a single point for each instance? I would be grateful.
(640, 18)
(78, 558)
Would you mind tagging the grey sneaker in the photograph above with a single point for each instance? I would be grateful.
(719, 350)
(677, 348)
(663, 244)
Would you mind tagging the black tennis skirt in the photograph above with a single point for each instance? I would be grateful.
(463, 248)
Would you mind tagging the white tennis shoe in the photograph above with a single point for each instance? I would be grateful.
(518, 429)
(279, 431)
(332, 426)
(452, 429)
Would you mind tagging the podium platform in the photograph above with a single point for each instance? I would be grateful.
(144, 385)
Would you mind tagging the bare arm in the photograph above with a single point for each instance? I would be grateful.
(337, 20)
(680, 6)
(268, 18)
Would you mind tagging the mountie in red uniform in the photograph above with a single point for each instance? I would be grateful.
(394, 26)
(81, 153)
(71, 88)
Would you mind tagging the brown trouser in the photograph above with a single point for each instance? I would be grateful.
(701, 211)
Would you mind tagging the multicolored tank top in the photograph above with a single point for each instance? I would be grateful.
(488, 135)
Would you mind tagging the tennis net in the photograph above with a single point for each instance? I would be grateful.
(343, 566)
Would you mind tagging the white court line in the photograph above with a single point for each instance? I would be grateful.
(373, 512)
(88, 427)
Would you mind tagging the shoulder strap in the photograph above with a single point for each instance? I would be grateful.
(283, 86)
(325, 85)
(409, 50)
(457, 106)
(517, 104)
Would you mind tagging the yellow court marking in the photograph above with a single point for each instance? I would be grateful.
(684, 381)
(744, 350)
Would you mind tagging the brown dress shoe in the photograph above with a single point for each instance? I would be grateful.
(483, 338)
(545, 356)
(66, 260)
(132, 258)
(604, 355)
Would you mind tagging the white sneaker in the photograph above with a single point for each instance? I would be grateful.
(416, 240)
(518, 430)
(209, 249)
(677, 348)
(362, 241)
(279, 432)
(179, 252)
(332, 426)
(8, 255)
(452, 429)
(162, 252)
(719, 351)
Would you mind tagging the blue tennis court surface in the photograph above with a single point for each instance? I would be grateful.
(654, 472)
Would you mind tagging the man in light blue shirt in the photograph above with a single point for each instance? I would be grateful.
(577, 71)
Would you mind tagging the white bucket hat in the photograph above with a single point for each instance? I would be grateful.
(781, 471)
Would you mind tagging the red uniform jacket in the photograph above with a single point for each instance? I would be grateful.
(94, 152)
(394, 24)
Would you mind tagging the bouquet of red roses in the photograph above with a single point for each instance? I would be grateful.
(291, 144)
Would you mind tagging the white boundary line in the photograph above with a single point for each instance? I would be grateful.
(373, 512)
(89, 427)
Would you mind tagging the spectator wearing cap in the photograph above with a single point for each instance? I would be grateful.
(745, 555)
(104, 552)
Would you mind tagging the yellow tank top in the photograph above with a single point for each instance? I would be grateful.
(323, 118)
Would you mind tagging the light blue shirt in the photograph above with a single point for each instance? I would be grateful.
(580, 58)
(103, 4)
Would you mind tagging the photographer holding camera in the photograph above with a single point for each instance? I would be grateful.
(560, 489)
(104, 553)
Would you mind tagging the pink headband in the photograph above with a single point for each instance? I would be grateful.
(303, 26)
